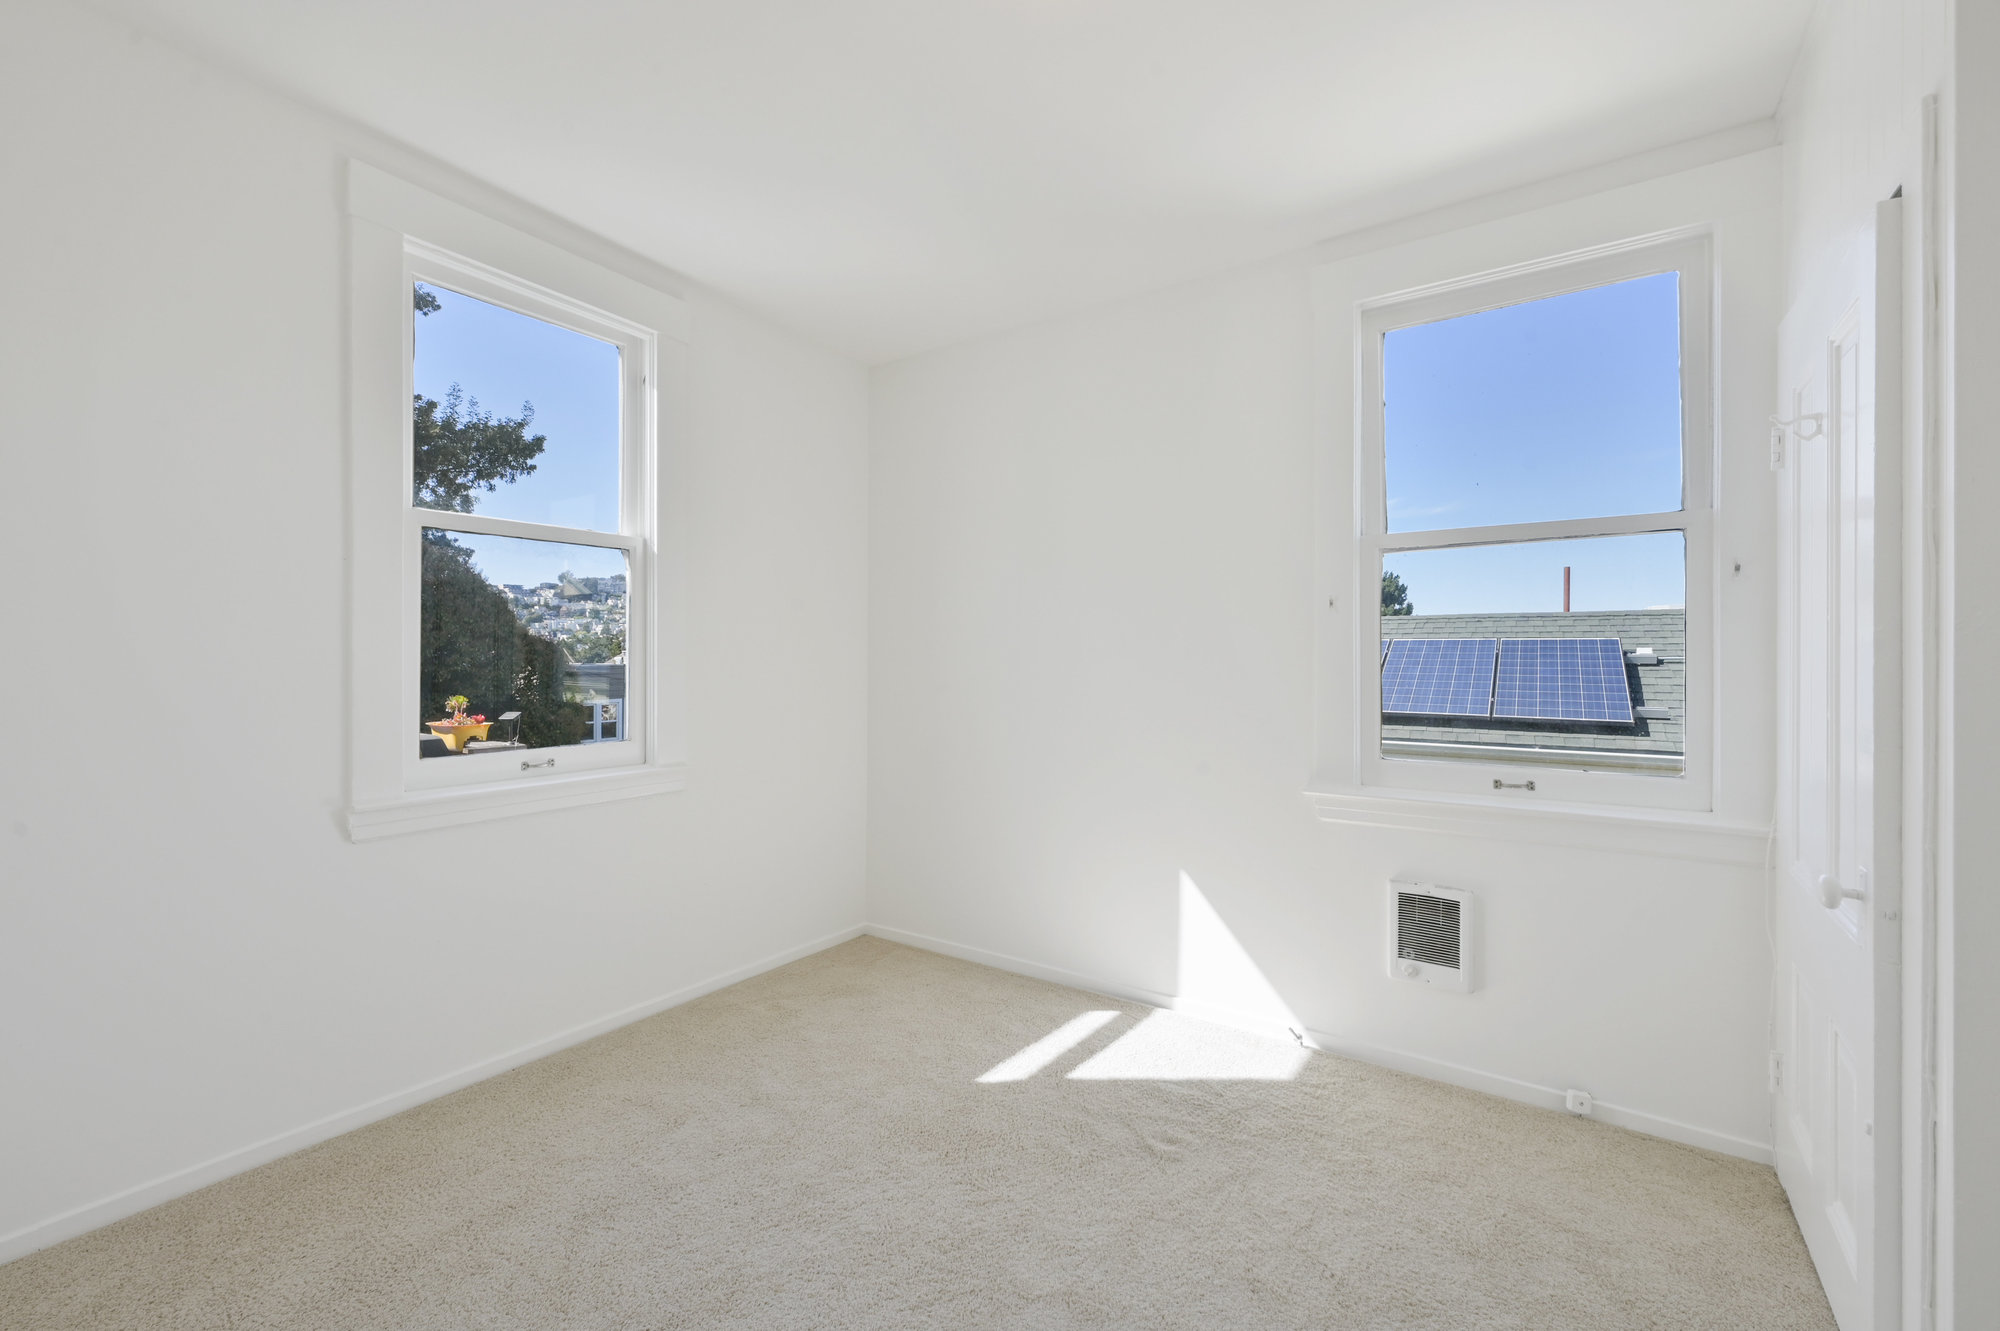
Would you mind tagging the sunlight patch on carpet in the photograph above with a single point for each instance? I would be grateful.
(1049, 1048)
(1167, 1046)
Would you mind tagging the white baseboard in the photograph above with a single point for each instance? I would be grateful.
(1490, 1083)
(1021, 966)
(95, 1215)
(1547, 1097)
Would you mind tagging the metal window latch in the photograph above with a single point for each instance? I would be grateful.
(526, 765)
(1498, 784)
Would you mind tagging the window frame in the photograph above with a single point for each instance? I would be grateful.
(1688, 252)
(399, 234)
(638, 356)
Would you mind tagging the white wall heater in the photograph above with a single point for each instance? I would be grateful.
(1432, 935)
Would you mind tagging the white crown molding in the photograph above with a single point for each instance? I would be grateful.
(1546, 191)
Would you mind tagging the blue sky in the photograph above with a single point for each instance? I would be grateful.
(1606, 573)
(505, 359)
(1567, 407)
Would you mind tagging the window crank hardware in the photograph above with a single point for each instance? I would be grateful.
(1498, 784)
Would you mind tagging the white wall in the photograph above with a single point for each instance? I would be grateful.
(197, 970)
(1852, 118)
(1093, 606)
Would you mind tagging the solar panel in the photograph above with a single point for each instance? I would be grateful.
(1439, 676)
(1562, 679)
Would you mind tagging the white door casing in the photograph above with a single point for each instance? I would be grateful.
(1836, 1101)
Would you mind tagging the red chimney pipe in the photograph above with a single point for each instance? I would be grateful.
(1565, 588)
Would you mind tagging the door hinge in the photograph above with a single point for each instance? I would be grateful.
(1777, 1072)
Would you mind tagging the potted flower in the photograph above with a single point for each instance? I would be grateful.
(458, 726)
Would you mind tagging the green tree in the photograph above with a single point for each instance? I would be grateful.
(469, 641)
(1395, 596)
(461, 449)
(589, 648)
(547, 717)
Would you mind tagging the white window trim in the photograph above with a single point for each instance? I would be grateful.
(400, 234)
(1686, 252)
(1734, 204)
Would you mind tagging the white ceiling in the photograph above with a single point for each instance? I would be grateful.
(889, 176)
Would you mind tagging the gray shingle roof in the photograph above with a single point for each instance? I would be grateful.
(1662, 685)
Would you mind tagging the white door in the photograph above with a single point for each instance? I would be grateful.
(1835, 1089)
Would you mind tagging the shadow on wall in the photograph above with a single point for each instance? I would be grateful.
(1223, 1004)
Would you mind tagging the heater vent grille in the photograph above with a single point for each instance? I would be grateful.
(1428, 929)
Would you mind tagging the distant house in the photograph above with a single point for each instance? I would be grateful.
(1652, 742)
(597, 682)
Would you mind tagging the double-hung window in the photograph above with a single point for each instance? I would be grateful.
(528, 455)
(1534, 529)
(514, 597)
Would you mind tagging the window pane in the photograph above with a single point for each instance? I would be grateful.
(529, 634)
(514, 416)
(1481, 660)
(1568, 407)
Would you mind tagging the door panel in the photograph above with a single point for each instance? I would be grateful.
(1801, 1075)
(1844, 1146)
(1836, 1095)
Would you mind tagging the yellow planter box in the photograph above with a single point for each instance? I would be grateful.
(455, 736)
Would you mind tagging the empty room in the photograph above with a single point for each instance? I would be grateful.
(999, 663)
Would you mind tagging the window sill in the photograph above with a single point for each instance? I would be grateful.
(1577, 760)
(429, 810)
(1685, 836)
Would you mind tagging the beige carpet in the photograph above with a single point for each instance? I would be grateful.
(816, 1148)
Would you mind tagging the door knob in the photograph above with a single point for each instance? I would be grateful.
(1831, 893)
